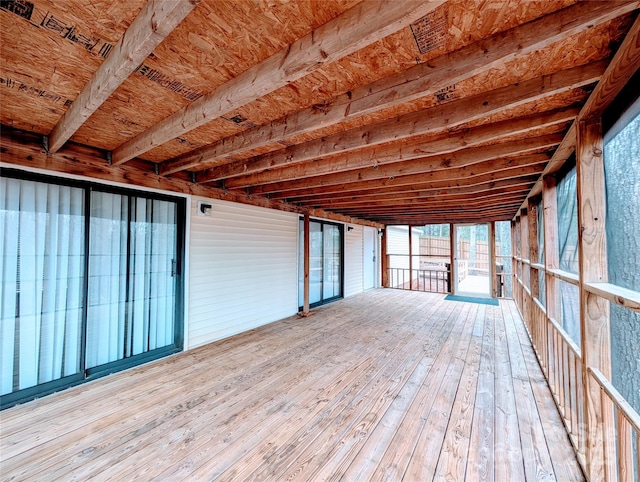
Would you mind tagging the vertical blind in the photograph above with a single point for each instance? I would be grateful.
(57, 323)
(42, 265)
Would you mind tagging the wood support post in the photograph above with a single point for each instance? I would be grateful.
(410, 257)
(453, 271)
(594, 310)
(533, 254)
(384, 259)
(307, 264)
(551, 246)
(492, 259)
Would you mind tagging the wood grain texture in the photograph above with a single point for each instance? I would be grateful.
(156, 20)
(385, 385)
(358, 27)
(432, 120)
(418, 81)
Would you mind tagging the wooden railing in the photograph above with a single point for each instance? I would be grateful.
(620, 434)
(433, 281)
(614, 434)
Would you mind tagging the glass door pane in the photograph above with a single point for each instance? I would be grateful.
(41, 282)
(473, 276)
(132, 283)
(332, 281)
(316, 250)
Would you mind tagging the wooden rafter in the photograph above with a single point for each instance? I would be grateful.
(402, 198)
(418, 81)
(410, 192)
(465, 159)
(358, 27)
(156, 20)
(470, 162)
(431, 120)
(409, 150)
(535, 165)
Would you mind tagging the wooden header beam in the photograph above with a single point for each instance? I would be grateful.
(25, 149)
(156, 20)
(358, 27)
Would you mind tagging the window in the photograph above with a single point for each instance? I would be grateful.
(540, 231)
(622, 182)
(90, 281)
(568, 252)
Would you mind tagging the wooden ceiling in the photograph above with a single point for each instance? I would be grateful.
(398, 112)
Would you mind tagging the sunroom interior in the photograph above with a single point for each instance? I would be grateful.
(320, 239)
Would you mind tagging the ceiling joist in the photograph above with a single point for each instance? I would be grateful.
(419, 81)
(431, 120)
(358, 27)
(156, 20)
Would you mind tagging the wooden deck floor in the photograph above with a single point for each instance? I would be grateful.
(388, 385)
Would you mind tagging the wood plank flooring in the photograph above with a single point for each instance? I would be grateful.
(387, 385)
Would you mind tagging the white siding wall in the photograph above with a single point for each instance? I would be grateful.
(242, 270)
(353, 259)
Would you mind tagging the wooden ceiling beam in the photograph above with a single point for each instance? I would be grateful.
(436, 217)
(156, 20)
(461, 158)
(438, 118)
(24, 149)
(423, 220)
(534, 165)
(406, 151)
(471, 159)
(358, 27)
(523, 183)
(430, 206)
(452, 211)
(413, 83)
(331, 203)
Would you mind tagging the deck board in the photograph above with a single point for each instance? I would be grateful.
(386, 385)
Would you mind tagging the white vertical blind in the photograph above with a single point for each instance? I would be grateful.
(130, 315)
(42, 253)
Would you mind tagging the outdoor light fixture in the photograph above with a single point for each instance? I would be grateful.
(204, 209)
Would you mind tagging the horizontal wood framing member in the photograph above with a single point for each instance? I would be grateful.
(418, 81)
(438, 118)
(492, 170)
(358, 27)
(622, 67)
(25, 149)
(405, 151)
(429, 189)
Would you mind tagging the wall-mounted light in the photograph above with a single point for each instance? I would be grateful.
(204, 208)
(349, 228)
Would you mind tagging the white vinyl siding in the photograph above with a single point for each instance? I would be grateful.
(243, 269)
(353, 256)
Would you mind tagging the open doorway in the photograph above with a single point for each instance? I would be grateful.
(472, 260)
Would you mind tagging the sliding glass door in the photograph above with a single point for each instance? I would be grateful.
(132, 260)
(89, 282)
(325, 262)
(41, 281)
